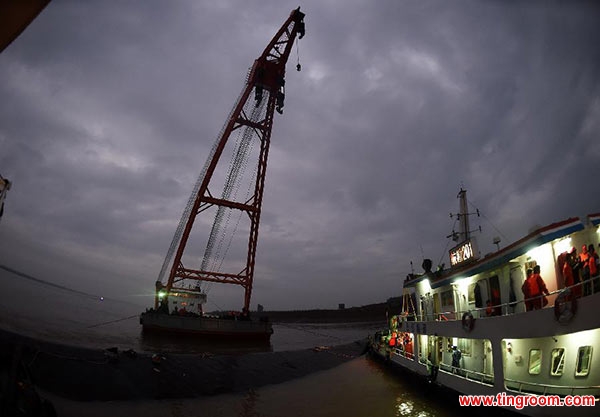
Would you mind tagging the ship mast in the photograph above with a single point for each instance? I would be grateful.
(251, 120)
(463, 215)
(466, 249)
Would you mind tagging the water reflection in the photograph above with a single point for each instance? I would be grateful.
(361, 387)
(406, 407)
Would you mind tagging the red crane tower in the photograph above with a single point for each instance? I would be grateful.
(250, 121)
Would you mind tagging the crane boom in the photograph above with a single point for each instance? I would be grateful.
(253, 117)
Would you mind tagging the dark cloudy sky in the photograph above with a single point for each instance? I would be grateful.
(109, 108)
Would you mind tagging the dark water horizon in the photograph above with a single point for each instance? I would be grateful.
(40, 309)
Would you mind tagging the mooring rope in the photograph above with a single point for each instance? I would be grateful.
(308, 331)
(112, 321)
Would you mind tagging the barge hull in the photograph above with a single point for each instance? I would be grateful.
(206, 327)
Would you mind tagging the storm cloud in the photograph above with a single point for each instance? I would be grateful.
(109, 110)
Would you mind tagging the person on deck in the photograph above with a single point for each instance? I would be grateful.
(537, 289)
(456, 355)
(576, 267)
(408, 346)
(525, 289)
(569, 281)
(594, 268)
(496, 301)
(584, 258)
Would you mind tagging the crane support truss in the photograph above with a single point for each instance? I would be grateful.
(253, 117)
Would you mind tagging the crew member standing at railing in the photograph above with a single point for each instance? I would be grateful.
(594, 270)
(576, 267)
(584, 258)
(567, 273)
(526, 291)
(537, 289)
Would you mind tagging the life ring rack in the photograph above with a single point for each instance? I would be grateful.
(468, 321)
(565, 306)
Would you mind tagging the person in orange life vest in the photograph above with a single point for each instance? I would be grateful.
(594, 267)
(537, 287)
(526, 292)
(408, 346)
(488, 309)
(493, 305)
(496, 301)
(392, 341)
(584, 258)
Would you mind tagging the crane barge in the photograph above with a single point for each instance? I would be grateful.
(178, 303)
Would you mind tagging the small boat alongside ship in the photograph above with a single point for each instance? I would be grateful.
(468, 328)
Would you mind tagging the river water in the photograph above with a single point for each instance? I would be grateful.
(360, 387)
(38, 308)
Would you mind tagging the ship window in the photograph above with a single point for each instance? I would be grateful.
(472, 292)
(584, 359)
(447, 298)
(437, 308)
(558, 361)
(535, 361)
(477, 291)
(464, 345)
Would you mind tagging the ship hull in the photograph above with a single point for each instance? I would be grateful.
(209, 328)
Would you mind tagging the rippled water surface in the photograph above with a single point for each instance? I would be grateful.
(39, 309)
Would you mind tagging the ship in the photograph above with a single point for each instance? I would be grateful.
(228, 259)
(180, 312)
(470, 328)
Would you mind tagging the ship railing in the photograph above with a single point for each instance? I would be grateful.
(506, 309)
(480, 377)
(544, 389)
(404, 354)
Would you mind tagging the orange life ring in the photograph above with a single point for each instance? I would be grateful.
(565, 306)
(468, 321)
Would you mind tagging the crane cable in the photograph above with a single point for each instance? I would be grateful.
(192, 199)
(238, 164)
(298, 66)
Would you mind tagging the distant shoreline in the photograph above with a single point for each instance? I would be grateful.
(368, 313)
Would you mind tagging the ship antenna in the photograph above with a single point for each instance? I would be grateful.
(489, 221)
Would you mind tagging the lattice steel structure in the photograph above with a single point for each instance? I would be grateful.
(251, 120)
